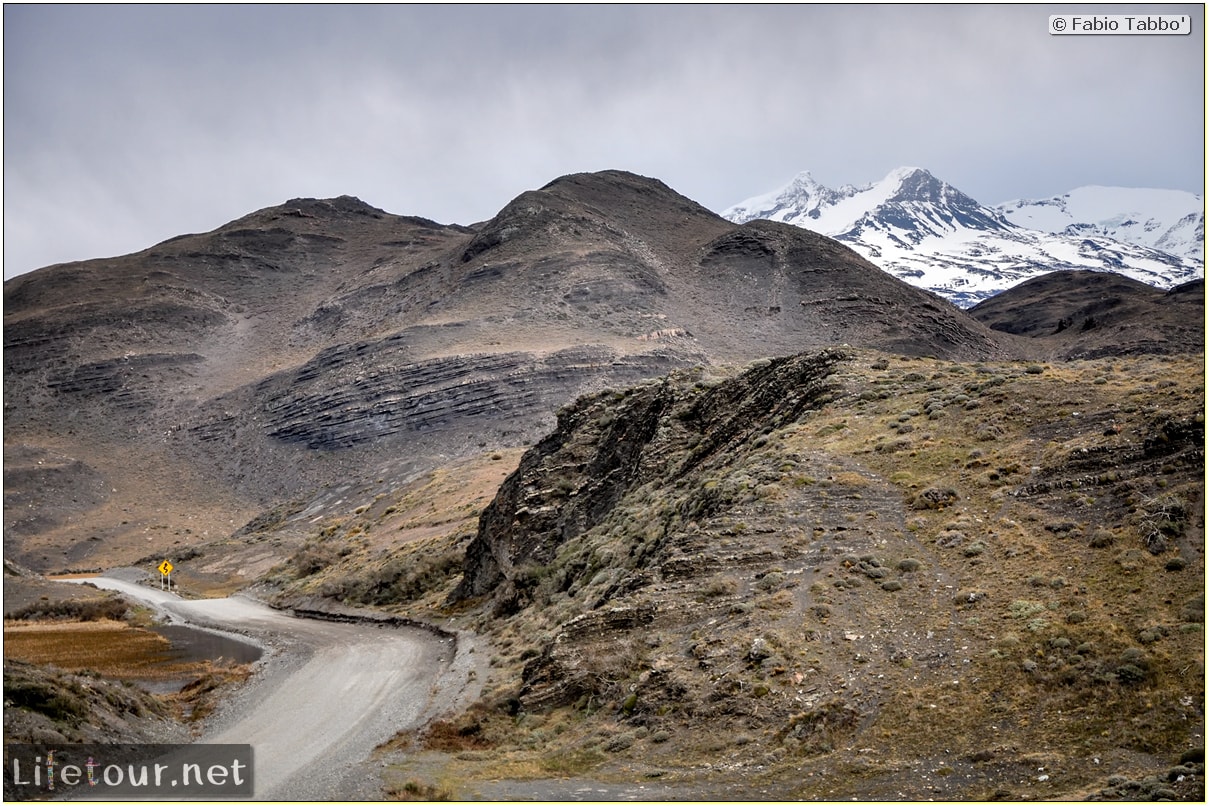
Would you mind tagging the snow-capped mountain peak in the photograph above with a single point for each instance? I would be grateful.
(929, 233)
(802, 197)
(1172, 221)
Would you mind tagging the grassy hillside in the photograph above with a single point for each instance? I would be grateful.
(928, 579)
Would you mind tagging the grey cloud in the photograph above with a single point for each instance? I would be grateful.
(125, 125)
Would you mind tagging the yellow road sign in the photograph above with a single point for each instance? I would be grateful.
(165, 568)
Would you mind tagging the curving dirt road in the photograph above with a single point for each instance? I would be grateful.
(326, 694)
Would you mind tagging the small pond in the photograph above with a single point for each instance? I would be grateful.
(191, 645)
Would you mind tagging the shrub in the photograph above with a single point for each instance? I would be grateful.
(1193, 611)
(1161, 518)
(619, 743)
(113, 609)
(950, 539)
(1025, 608)
(909, 564)
(311, 560)
(935, 498)
(721, 587)
(988, 432)
(896, 445)
(1148, 635)
(416, 791)
(1195, 755)
(59, 704)
(1130, 674)
(770, 581)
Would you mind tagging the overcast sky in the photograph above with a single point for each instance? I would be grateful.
(126, 125)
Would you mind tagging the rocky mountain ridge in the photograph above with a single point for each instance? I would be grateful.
(325, 342)
(726, 503)
(1171, 221)
(926, 232)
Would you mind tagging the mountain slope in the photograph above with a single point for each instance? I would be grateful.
(733, 554)
(325, 345)
(932, 235)
(1172, 221)
(1084, 314)
(844, 575)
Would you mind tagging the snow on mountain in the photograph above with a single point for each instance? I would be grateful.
(926, 232)
(1172, 221)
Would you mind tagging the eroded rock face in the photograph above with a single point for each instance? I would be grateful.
(357, 394)
(607, 445)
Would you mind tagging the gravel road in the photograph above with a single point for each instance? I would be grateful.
(324, 696)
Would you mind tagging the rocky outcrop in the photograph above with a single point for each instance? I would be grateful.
(370, 392)
(607, 445)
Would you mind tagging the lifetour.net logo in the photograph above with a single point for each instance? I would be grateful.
(100, 771)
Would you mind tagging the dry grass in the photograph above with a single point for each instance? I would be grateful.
(418, 791)
(110, 648)
(121, 651)
(401, 551)
(200, 698)
(942, 657)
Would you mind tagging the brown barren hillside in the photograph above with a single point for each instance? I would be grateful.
(733, 513)
(1086, 314)
(839, 574)
(159, 401)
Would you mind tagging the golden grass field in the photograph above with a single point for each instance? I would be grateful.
(111, 648)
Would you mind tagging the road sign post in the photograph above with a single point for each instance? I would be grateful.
(165, 569)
